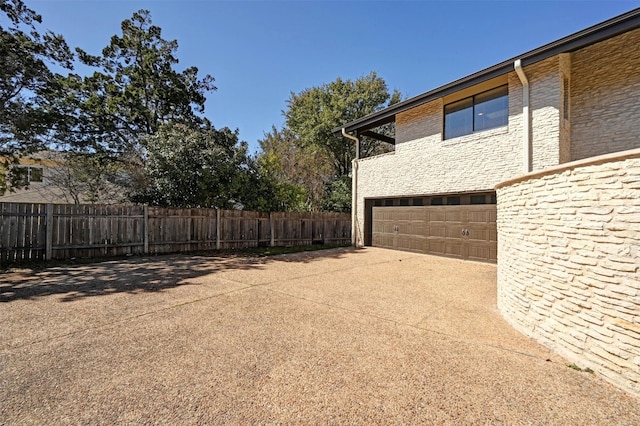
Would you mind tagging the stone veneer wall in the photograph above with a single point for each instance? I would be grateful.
(605, 87)
(423, 163)
(569, 262)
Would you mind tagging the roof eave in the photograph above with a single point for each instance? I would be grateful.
(581, 39)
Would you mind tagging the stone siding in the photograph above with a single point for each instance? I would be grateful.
(605, 87)
(545, 84)
(565, 94)
(423, 163)
(569, 262)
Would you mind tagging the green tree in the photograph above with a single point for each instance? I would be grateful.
(198, 167)
(305, 156)
(338, 195)
(136, 91)
(25, 80)
(313, 113)
(298, 173)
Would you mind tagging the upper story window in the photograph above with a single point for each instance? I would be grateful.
(483, 111)
(29, 174)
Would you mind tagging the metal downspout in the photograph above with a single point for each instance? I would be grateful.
(354, 187)
(525, 116)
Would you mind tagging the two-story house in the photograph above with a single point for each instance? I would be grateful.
(571, 99)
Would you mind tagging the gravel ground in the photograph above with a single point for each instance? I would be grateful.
(338, 336)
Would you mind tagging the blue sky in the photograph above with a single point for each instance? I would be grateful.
(261, 51)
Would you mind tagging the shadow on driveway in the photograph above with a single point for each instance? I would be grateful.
(135, 275)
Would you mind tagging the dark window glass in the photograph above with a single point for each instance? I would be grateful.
(436, 201)
(417, 201)
(388, 202)
(453, 201)
(377, 202)
(477, 199)
(483, 111)
(458, 118)
(491, 109)
(22, 175)
(404, 202)
(493, 199)
(35, 174)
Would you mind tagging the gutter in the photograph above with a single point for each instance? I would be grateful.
(526, 118)
(615, 26)
(354, 186)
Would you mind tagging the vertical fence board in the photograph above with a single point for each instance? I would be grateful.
(62, 231)
(38, 243)
(4, 234)
(28, 224)
(16, 242)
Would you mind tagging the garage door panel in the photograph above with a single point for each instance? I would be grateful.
(481, 218)
(403, 242)
(435, 215)
(454, 231)
(437, 230)
(463, 231)
(481, 234)
(483, 251)
(417, 215)
(418, 244)
(420, 228)
(436, 246)
(454, 249)
(478, 216)
(453, 214)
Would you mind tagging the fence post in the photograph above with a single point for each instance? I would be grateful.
(272, 241)
(189, 224)
(217, 228)
(48, 250)
(145, 226)
(324, 229)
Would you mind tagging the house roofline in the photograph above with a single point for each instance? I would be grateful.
(581, 39)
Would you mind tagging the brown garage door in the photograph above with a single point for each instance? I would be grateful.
(466, 232)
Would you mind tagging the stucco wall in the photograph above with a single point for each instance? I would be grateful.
(569, 262)
(605, 88)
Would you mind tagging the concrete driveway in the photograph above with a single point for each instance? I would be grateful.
(338, 336)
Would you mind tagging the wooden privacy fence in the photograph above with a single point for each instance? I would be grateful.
(64, 231)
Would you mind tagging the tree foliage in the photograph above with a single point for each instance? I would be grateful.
(298, 173)
(134, 92)
(338, 195)
(305, 156)
(313, 113)
(135, 125)
(25, 79)
(198, 167)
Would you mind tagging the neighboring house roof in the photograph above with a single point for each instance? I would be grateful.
(52, 187)
(594, 34)
(38, 192)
